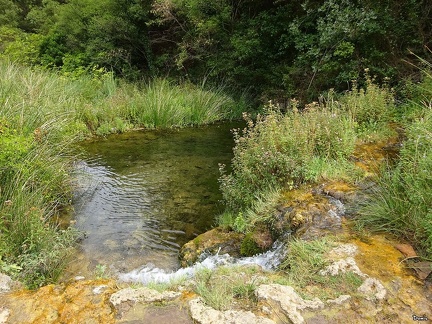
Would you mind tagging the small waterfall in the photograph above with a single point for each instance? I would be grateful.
(267, 261)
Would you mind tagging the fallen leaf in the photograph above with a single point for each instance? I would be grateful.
(406, 250)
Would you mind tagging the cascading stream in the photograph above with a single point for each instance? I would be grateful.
(149, 273)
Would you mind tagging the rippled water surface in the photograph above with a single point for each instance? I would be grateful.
(140, 196)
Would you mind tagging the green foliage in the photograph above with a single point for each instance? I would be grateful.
(305, 259)
(33, 184)
(101, 272)
(302, 268)
(282, 49)
(283, 151)
(372, 107)
(275, 50)
(276, 151)
(8, 13)
(164, 104)
(261, 210)
(109, 34)
(216, 295)
(19, 46)
(249, 247)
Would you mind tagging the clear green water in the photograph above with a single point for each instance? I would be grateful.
(140, 196)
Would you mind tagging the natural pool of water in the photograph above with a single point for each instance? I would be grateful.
(141, 195)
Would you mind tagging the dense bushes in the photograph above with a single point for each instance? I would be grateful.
(280, 150)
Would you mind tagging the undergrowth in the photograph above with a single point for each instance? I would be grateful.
(222, 287)
(401, 203)
(282, 151)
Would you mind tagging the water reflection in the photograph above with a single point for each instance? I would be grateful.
(140, 196)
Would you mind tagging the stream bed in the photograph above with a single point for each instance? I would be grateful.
(140, 196)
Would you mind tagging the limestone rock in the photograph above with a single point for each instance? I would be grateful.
(344, 250)
(285, 299)
(144, 294)
(208, 315)
(340, 300)
(373, 288)
(342, 266)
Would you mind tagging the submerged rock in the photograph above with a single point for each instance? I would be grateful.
(215, 241)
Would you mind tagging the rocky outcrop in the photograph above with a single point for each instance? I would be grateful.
(285, 299)
(125, 299)
(76, 302)
(143, 294)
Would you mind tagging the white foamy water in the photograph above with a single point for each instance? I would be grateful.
(149, 273)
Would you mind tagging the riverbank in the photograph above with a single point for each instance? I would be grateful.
(380, 287)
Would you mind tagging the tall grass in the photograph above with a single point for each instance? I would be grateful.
(102, 104)
(402, 201)
(33, 182)
(160, 103)
(305, 261)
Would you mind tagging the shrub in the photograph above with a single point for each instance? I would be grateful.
(276, 151)
(371, 107)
